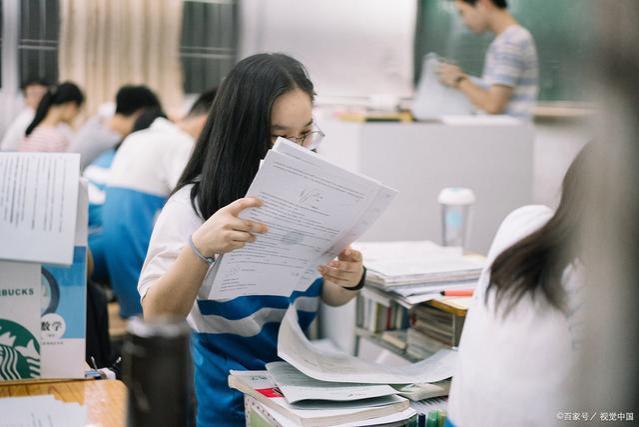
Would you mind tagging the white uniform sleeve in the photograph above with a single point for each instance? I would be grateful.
(172, 229)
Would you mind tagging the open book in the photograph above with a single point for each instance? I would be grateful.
(313, 210)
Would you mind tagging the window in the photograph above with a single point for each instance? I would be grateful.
(38, 41)
(209, 42)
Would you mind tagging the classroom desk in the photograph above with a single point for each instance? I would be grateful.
(105, 399)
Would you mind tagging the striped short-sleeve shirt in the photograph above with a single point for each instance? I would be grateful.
(511, 60)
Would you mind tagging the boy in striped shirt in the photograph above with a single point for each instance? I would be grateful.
(511, 70)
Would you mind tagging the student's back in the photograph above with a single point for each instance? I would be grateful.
(144, 171)
(59, 106)
(523, 331)
(98, 174)
(45, 139)
(513, 371)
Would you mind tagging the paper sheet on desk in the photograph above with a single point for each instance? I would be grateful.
(45, 410)
(294, 347)
(313, 210)
(433, 99)
(296, 387)
(38, 206)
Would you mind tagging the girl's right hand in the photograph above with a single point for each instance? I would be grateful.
(224, 231)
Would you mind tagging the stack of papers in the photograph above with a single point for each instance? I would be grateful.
(43, 410)
(418, 271)
(260, 386)
(313, 210)
(260, 414)
(294, 348)
(318, 387)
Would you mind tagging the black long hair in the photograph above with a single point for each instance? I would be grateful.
(56, 95)
(237, 133)
(537, 262)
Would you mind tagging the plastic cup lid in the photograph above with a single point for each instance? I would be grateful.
(456, 196)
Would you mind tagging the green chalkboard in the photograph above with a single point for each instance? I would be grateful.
(562, 30)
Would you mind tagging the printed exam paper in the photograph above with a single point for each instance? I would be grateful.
(313, 209)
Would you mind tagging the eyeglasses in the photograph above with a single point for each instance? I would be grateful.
(310, 140)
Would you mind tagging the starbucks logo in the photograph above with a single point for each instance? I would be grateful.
(19, 352)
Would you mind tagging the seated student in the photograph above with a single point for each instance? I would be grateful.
(511, 70)
(263, 97)
(60, 105)
(145, 169)
(103, 131)
(521, 335)
(32, 91)
(97, 174)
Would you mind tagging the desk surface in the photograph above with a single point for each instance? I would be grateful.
(105, 399)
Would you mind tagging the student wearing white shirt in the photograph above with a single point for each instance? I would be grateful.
(523, 331)
(33, 91)
(263, 97)
(143, 173)
(97, 174)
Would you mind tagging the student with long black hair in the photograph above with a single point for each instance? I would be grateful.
(264, 96)
(521, 335)
(60, 105)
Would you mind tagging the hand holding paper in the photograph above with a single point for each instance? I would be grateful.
(225, 231)
(313, 210)
(346, 271)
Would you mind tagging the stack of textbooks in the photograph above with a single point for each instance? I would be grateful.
(401, 306)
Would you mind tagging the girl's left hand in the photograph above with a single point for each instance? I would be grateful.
(346, 271)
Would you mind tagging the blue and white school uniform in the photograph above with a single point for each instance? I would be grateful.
(515, 371)
(239, 334)
(145, 169)
(97, 174)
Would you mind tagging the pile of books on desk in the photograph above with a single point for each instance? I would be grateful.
(318, 386)
(284, 396)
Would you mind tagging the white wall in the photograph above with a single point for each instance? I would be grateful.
(350, 47)
(557, 143)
